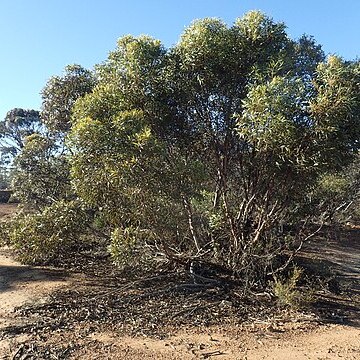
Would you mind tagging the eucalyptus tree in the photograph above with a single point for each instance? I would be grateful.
(41, 173)
(202, 152)
(17, 125)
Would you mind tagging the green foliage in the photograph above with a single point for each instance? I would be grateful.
(210, 147)
(60, 94)
(336, 196)
(41, 173)
(335, 110)
(118, 157)
(288, 292)
(127, 247)
(5, 177)
(42, 236)
(41, 176)
(17, 125)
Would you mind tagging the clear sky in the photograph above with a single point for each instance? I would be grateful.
(40, 37)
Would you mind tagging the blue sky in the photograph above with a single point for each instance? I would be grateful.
(40, 37)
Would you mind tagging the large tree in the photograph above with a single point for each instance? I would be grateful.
(203, 152)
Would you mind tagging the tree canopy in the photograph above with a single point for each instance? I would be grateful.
(201, 151)
(60, 94)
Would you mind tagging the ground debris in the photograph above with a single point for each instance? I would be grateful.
(32, 351)
(145, 306)
(151, 307)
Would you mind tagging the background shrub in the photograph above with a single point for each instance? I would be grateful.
(41, 236)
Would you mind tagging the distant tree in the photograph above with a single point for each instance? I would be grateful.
(41, 173)
(4, 177)
(337, 194)
(17, 125)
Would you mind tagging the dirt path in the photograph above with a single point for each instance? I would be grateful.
(19, 285)
(323, 342)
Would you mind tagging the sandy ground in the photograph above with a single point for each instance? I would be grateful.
(21, 284)
(7, 210)
(325, 342)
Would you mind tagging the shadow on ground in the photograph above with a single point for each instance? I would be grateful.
(335, 260)
(15, 275)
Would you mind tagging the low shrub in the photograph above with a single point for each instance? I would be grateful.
(288, 292)
(41, 236)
